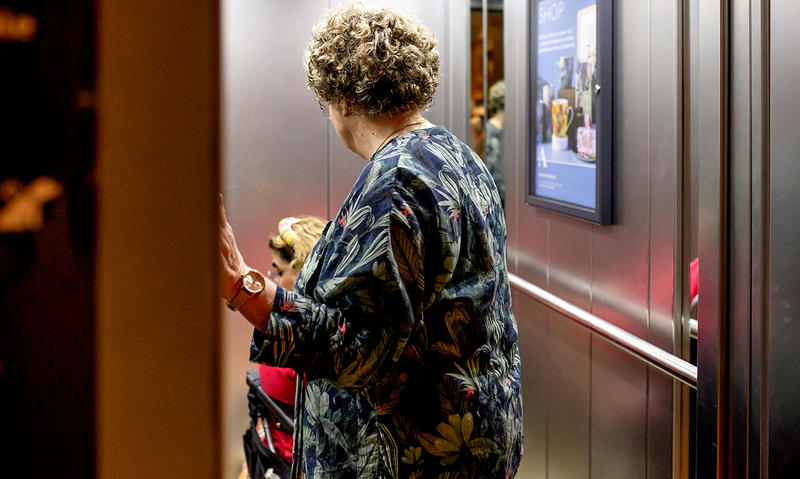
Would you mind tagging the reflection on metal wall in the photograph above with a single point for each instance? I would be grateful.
(274, 147)
(604, 413)
(280, 157)
(784, 244)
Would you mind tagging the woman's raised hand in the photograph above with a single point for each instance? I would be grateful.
(231, 264)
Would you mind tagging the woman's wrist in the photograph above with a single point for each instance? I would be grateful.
(230, 283)
(258, 308)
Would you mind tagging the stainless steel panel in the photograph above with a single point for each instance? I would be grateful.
(454, 72)
(570, 260)
(665, 216)
(569, 402)
(516, 64)
(661, 428)
(530, 241)
(745, 428)
(758, 413)
(712, 138)
(569, 398)
(665, 162)
(686, 427)
(274, 146)
(689, 167)
(274, 135)
(620, 253)
(620, 260)
(784, 246)
(740, 231)
(532, 325)
(619, 413)
(692, 183)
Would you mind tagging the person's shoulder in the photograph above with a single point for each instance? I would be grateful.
(377, 174)
(418, 162)
(436, 136)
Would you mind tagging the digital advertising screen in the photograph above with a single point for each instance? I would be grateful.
(566, 85)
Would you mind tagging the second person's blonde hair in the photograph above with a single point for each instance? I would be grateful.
(307, 231)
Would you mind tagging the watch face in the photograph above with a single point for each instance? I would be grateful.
(253, 282)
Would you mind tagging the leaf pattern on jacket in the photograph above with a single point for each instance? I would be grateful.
(401, 320)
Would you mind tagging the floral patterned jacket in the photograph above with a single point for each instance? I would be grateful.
(401, 320)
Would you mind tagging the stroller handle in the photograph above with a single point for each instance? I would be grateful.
(255, 383)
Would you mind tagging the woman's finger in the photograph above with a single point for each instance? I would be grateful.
(232, 263)
(223, 216)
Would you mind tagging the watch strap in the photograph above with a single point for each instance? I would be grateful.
(245, 293)
(238, 300)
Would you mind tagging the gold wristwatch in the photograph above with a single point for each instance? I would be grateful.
(251, 283)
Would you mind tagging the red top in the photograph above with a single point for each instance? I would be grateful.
(279, 384)
(694, 278)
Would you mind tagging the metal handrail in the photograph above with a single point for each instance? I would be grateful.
(693, 328)
(670, 364)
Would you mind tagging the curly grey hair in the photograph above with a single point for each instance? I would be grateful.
(379, 62)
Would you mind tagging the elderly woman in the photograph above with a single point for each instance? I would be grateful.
(401, 316)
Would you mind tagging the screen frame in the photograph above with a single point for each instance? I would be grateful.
(601, 214)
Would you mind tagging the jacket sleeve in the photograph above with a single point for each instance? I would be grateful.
(366, 303)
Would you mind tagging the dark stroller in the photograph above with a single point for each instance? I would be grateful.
(270, 414)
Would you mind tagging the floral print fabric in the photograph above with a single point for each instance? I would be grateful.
(401, 320)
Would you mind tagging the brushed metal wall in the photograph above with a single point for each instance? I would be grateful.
(274, 160)
(590, 409)
(281, 157)
(784, 243)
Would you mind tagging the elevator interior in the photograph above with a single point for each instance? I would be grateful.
(590, 408)
(223, 87)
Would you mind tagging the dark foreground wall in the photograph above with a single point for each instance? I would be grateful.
(46, 269)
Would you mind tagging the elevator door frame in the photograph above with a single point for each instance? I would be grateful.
(712, 213)
(733, 211)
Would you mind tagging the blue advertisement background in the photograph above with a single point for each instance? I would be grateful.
(560, 175)
(547, 66)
